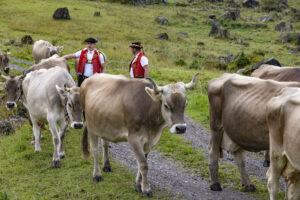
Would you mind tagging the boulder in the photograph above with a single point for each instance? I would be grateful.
(250, 3)
(231, 15)
(282, 26)
(266, 18)
(233, 4)
(217, 31)
(162, 36)
(61, 13)
(290, 37)
(212, 16)
(162, 20)
(26, 39)
(97, 13)
(6, 128)
(240, 41)
(270, 61)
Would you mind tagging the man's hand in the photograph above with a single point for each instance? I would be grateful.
(146, 68)
(69, 56)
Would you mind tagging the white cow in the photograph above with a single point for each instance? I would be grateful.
(43, 49)
(52, 95)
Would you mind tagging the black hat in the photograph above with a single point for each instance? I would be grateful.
(91, 40)
(137, 45)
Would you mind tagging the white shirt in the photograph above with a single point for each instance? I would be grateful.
(88, 68)
(144, 62)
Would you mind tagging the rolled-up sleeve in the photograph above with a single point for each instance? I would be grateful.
(102, 59)
(78, 54)
(144, 61)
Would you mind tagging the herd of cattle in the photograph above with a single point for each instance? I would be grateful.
(246, 114)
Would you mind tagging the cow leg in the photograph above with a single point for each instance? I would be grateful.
(36, 136)
(63, 125)
(141, 179)
(214, 152)
(56, 141)
(294, 190)
(105, 160)
(267, 159)
(97, 176)
(240, 161)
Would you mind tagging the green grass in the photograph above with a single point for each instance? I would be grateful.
(25, 174)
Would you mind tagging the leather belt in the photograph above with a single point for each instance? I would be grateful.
(89, 62)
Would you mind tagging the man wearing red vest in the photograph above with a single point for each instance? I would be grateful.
(91, 60)
(139, 67)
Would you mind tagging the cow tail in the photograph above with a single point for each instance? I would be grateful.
(85, 144)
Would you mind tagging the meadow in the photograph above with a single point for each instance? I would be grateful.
(27, 175)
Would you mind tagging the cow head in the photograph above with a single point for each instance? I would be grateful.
(12, 86)
(55, 50)
(4, 62)
(73, 106)
(173, 102)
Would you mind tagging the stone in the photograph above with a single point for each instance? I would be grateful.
(231, 15)
(97, 13)
(212, 16)
(266, 18)
(162, 20)
(180, 4)
(250, 3)
(217, 31)
(6, 128)
(183, 34)
(290, 37)
(240, 41)
(200, 43)
(282, 26)
(270, 61)
(26, 39)
(233, 4)
(225, 59)
(61, 13)
(162, 36)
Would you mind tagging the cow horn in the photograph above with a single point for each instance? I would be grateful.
(192, 83)
(5, 77)
(156, 88)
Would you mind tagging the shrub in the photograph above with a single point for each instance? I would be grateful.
(270, 5)
(180, 62)
(194, 65)
(242, 61)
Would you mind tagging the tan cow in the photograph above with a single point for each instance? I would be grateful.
(283, 74)
(52, 95)
(12, 87)
(119, 109)
(283, 122)
(4, 62)
(238, 119)
(43, 49)
(48, 63)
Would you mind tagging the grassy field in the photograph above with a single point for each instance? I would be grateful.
(170, 61)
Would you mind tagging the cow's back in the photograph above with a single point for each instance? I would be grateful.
(40, 50)
(115, 105)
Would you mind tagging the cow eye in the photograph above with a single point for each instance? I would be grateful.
(70, 105)
(167, 107)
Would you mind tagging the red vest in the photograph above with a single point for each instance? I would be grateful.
(137, 68)
(95, 61)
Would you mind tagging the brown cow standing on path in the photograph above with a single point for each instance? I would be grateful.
(238, 119)
(43, 49)
(283, 122)
(119, 109)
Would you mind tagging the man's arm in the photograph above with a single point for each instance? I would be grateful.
(146, 68)
(103, 67)
(69, 56)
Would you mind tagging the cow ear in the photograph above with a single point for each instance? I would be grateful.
(61, 91)
(60, 48)
(152, 94)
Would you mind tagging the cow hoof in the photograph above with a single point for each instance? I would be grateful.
(56, 163)
(147, 194)
(62, 156)
(138, 188)
(250, 188)
(216, 187)
(266, 163)
(97, 179)
(107, 169)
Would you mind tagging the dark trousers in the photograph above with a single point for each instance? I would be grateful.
(80, 79)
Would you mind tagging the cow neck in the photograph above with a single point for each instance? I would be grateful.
(65, 110)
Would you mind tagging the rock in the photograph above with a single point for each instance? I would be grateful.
(266, 18)
(26, 39)
(231, 15)
(250, 3)
(225, 59)
(242, 71)
(233, 4)
(295, 13)
(6, 128)
(17, 121)
(61, 13)
(162, 20)
(270, 61)
(212, 16)
(290, 37)
(283, 27)
(165, 1)
(191, 1)
(97, 14)
(181, 4)
(240, 41)
(183, 34)
(162, 36)
(200, 43)
(217, 31)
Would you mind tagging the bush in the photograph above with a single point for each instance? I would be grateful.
(194, 65)
(242, 61)
(180, 62)
(270, 5)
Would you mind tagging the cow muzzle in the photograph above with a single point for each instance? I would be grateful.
(77, 125)
(6, 70)
(11, 104)
(178, 128)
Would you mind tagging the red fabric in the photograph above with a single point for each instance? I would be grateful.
(137, 68)
(95, 61)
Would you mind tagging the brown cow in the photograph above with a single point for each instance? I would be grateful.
(283, 122)
(119, 109)
(238, 119)
(43, 49)
(4, 62)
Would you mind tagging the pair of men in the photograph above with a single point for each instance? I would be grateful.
(92, 61)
